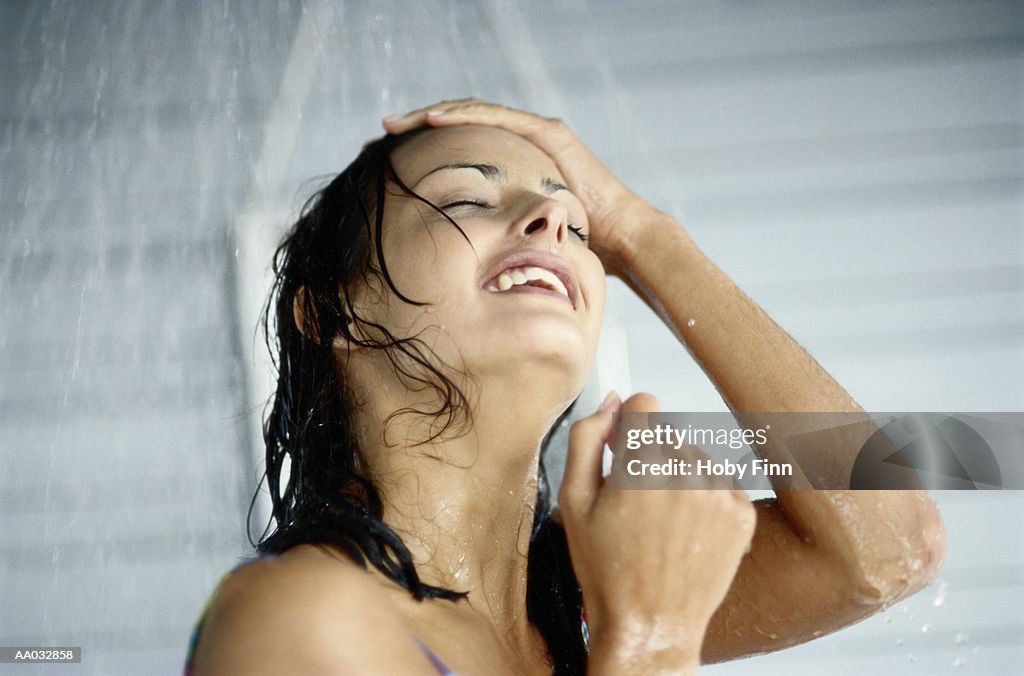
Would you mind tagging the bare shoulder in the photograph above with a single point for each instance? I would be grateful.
(306, 610)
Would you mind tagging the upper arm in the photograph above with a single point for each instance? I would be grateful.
(280, 616)
(786, 591)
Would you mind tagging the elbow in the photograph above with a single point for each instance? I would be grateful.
(906, 557)
(929, 550)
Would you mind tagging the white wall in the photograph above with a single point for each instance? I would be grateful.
(857, 167)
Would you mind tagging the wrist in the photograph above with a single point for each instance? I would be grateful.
(646, 230)
(645, 649)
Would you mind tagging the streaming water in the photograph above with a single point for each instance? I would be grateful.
(151, 154)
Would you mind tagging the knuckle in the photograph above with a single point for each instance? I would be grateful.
(556, 126)
(697, 454)
(478, 106)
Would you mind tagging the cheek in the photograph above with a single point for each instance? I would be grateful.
(420, 243)
(434, 266)
(413, 256)
(592, 271)
(596, 300)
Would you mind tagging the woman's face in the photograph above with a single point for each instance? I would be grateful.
(524, 296)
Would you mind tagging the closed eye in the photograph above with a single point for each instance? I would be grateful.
(465, 203)
(578, 232)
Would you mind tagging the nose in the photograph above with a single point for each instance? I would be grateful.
(547, 219)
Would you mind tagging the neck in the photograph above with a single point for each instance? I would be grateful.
(463, 505)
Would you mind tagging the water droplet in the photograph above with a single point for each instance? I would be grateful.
(691, 323)
(910, 658)
(902, 609)
(925, 628)
(961, 638)
(899, 641)
(959, 662)
(941, 595)
(888, 620)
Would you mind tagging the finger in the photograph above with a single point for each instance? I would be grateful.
(545, 133)
(641, 402)
(397, 124)
(587, 437)
(541, 131)
(637, 405)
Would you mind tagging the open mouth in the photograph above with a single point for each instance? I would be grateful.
(533, 271)
(528, 276)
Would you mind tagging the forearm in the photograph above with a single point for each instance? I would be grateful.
(890, 542)
(755, 365)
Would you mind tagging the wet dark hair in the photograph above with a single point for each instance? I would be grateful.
(328, 497)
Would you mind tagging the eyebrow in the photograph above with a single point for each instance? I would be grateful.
(493, 173)
(489, 171)
(550, 186)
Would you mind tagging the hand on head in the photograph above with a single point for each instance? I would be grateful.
(613, 210)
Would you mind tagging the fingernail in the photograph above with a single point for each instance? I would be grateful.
(607, 403)
(392, 118)
(436, 112)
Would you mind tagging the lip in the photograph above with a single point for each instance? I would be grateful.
(540, 259)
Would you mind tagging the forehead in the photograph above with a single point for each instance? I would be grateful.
(472, 144)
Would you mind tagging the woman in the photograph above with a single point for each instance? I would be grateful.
(438, 307)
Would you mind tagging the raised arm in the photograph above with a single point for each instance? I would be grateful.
(820, 559)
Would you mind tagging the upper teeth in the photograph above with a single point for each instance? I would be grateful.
(519, 276)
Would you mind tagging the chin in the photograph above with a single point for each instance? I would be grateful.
(557, 369)
(545, 356)
(553, 340)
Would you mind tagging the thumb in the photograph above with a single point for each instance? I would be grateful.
(641, 402)
(639, 405)
(587, 438)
